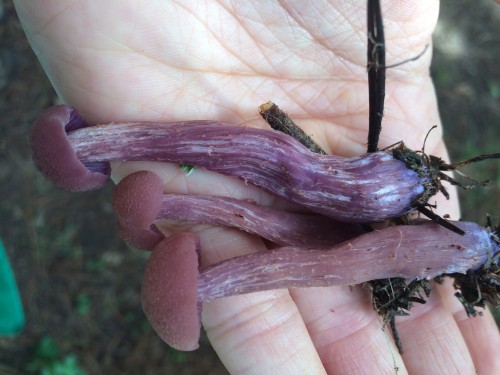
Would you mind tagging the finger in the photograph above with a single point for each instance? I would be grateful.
(346, 331)
(261, 333)
(480, 333)
(432, 341)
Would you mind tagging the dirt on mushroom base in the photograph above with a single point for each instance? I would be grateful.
(82, 284)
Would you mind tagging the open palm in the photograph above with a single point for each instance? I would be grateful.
(180, 60)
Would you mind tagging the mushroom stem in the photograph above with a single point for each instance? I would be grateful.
(141, 208)
(421, 251)
(277, 226)
(358, 189)
(367, 188)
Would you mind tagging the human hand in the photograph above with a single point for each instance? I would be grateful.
(123, 61)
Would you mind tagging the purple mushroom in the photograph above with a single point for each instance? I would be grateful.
(174, 287)
(139, 202)
(367, 188)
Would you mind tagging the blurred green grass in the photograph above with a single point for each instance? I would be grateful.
(466, 74)
(467, 78)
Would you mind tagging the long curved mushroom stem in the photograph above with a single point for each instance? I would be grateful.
(392, 252)
(139, 203)
(367, 188)
(174, 286)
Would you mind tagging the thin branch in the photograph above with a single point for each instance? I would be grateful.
(280, 121)
(376, 73)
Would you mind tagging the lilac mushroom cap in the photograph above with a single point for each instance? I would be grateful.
(54, 156)
(170, 291)
(137, 203)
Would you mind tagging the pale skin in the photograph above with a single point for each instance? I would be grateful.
(123, 60)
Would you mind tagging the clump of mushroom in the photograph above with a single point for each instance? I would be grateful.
(368, 188)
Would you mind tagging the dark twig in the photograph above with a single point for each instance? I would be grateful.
(439, 165)
(394, 297)
(376, 97)
(414, 58)
(280, 121)
(376, 73)
(438, 219)
(451, 167)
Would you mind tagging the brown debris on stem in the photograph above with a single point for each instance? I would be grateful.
(280, 121)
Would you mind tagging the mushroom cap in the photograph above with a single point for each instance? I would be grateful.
(54, 156)
(137, 203)
(170, 291)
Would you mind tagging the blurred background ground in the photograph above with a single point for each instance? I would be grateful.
(80, 284)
